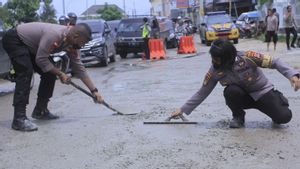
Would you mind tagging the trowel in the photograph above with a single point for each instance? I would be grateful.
(184, 120)
(104, 103)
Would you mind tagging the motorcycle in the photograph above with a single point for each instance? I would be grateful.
(180, 32)
(61, 61)
(247, 29)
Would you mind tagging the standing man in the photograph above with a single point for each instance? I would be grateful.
(146, 37)
(290, 26)
(272, 29)
(277, 15)
(29, 46)
(245, 84)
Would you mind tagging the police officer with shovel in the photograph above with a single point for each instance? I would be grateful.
(29, 46)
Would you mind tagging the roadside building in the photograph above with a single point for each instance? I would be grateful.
(92, 12)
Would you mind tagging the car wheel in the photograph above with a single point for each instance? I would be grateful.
(235, 41)
(202, 41)
(112, 58)
(208, 43)
(105, 60)
(123, 55)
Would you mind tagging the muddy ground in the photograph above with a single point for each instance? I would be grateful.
(88, 136)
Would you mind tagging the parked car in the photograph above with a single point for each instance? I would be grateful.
(5, 64)
(100, 50)
(129, 34)
(252, 16)
(218, 25)
(114, 26)
(250, 24)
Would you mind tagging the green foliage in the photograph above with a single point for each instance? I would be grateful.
(265, 1)
(4, 14)
(20, 9)
(110, 13)
(49, 12)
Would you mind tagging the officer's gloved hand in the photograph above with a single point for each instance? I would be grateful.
(176, 114)
(295, 82)
(65, 79)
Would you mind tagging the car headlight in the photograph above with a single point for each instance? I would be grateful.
(97, 42)
(120, 39)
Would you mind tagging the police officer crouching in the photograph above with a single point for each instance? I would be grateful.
(245, 84)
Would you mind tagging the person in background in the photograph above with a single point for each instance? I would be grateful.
(69, 20)
(277, 15)
(245, 84)
(146, 30)
(64, 20)
(272, 29)
(290, 27)
(155, 28)
(72, 18)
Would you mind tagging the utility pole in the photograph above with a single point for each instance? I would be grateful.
(124, 7)
(87, 9)
(64, 10)
(230, 7)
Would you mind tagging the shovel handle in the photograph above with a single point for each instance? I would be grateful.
(92, 96)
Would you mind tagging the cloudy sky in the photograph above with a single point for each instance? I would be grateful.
(78, 6)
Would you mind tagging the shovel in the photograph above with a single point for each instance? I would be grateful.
(168, 121)
(104, 103)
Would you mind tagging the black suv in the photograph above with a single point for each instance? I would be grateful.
(129, 34)
(101, 49)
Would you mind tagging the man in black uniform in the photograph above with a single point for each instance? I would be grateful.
(245, 84)
(29, 47)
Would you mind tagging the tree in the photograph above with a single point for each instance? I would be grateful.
(20, 9)
(49, 12)
(4, 14)
(110, 13)
(265, 1)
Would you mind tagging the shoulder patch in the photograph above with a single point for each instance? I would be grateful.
(260, 59)
(252, 54)
(207, 78)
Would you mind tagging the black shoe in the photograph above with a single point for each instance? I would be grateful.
(23, 124)
(288, 48)
(293, 46)
(43, 115)
(237, 122)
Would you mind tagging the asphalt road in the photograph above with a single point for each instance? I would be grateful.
(88, 136)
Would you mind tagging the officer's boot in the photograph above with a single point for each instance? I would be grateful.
(20, 121)
(237, 122)
(41, 111)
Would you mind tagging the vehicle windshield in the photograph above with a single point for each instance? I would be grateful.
(130, 26)
(96, 26)
(215, 19)
(242, 17)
